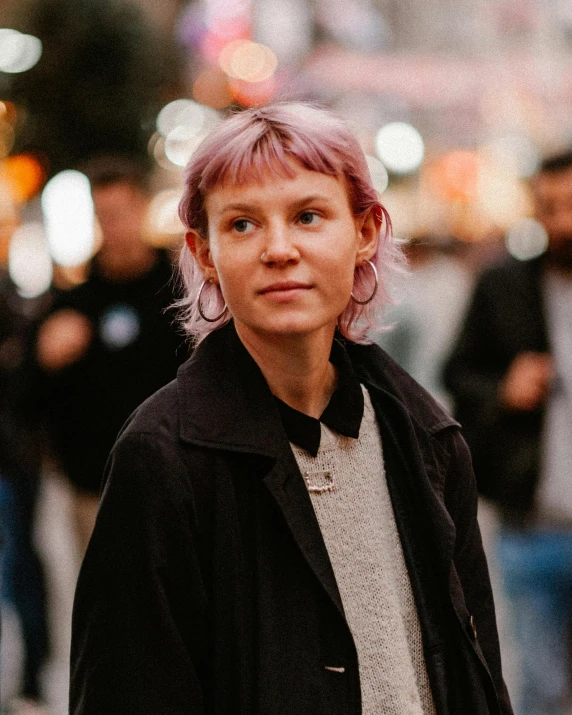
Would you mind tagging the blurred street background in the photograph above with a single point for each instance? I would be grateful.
(455, 103)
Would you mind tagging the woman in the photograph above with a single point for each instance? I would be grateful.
(290, 526)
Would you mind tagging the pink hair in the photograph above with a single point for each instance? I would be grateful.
(247, 146)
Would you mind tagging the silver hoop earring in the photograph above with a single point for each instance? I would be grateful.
(199, 307)
(376, 286)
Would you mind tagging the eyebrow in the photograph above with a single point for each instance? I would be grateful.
(311, 198)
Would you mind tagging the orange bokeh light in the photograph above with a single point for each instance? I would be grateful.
(253, 94)
(248, 61)
(455, 176)
(24, 174)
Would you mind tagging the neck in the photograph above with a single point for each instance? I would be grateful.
(297, 369)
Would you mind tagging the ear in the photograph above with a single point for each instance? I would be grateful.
(200, 249)
(368, 228)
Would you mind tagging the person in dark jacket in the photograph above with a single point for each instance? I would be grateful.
(511, 376)
(289, 526)
(108, 343)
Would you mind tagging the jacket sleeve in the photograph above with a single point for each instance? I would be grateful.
(470, 561)
(472, 373)
(140, 611)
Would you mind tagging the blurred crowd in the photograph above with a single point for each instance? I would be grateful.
(73, 366)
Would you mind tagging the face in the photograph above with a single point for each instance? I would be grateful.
(284, 252)
(120, 209)
(553, 203)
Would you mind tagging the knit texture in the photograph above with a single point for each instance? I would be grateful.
(348, 489)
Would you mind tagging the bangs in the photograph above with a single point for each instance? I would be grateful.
(263, 150)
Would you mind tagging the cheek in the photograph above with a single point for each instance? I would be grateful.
(232, 272)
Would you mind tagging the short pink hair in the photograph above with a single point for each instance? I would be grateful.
(249, 145)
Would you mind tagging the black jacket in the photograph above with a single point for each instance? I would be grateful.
(505, 318)
(207, 587)
(134, 350)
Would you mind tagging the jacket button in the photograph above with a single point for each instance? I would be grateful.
(473, 627)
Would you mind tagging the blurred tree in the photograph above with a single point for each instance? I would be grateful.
(102, 76)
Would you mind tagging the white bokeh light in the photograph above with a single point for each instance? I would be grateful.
(526, 239)
(378, 173)
(68, 218)
(163, 213)
(29, 262)
(286, 26)
(180, 145)
(18, 52)
(515, 151)
(181, 113)
(400, 147)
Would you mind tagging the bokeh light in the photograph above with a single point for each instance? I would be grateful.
(24, 174)
(378, 173)
(225, 12)
(526, 239)
(253, 94)
(180, 145)
(181, 112)
(163, 223)
(29, 262)
(501, 195)
(69, 218)
(18, 52)
(455, 176)
(400, 147)
(248, 61)
(287, 26)
(516, 152)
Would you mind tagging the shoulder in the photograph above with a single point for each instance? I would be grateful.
(158, 416)
(375, 367)
(148, 456)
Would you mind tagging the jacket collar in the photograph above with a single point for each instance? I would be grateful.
(226, 402)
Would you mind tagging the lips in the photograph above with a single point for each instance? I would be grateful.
(284, 286)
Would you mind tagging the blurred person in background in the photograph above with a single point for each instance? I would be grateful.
(108, 343)
(290, 526)
(511, 377)
(22, 582)
(430, 305)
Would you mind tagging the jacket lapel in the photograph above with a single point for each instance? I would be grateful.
(226, 404)
(289, 490)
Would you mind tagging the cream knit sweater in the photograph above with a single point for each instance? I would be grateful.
(347, 485)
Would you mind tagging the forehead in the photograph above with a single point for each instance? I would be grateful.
(272, 187)
(555, 186)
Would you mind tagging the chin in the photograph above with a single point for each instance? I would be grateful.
(289, 326)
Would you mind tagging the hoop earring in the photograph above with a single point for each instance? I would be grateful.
(372, 296)
(199, 307)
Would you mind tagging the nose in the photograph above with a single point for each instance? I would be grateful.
(279, 246)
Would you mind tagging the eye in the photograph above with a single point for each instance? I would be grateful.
(242, 225)
(308, 218)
